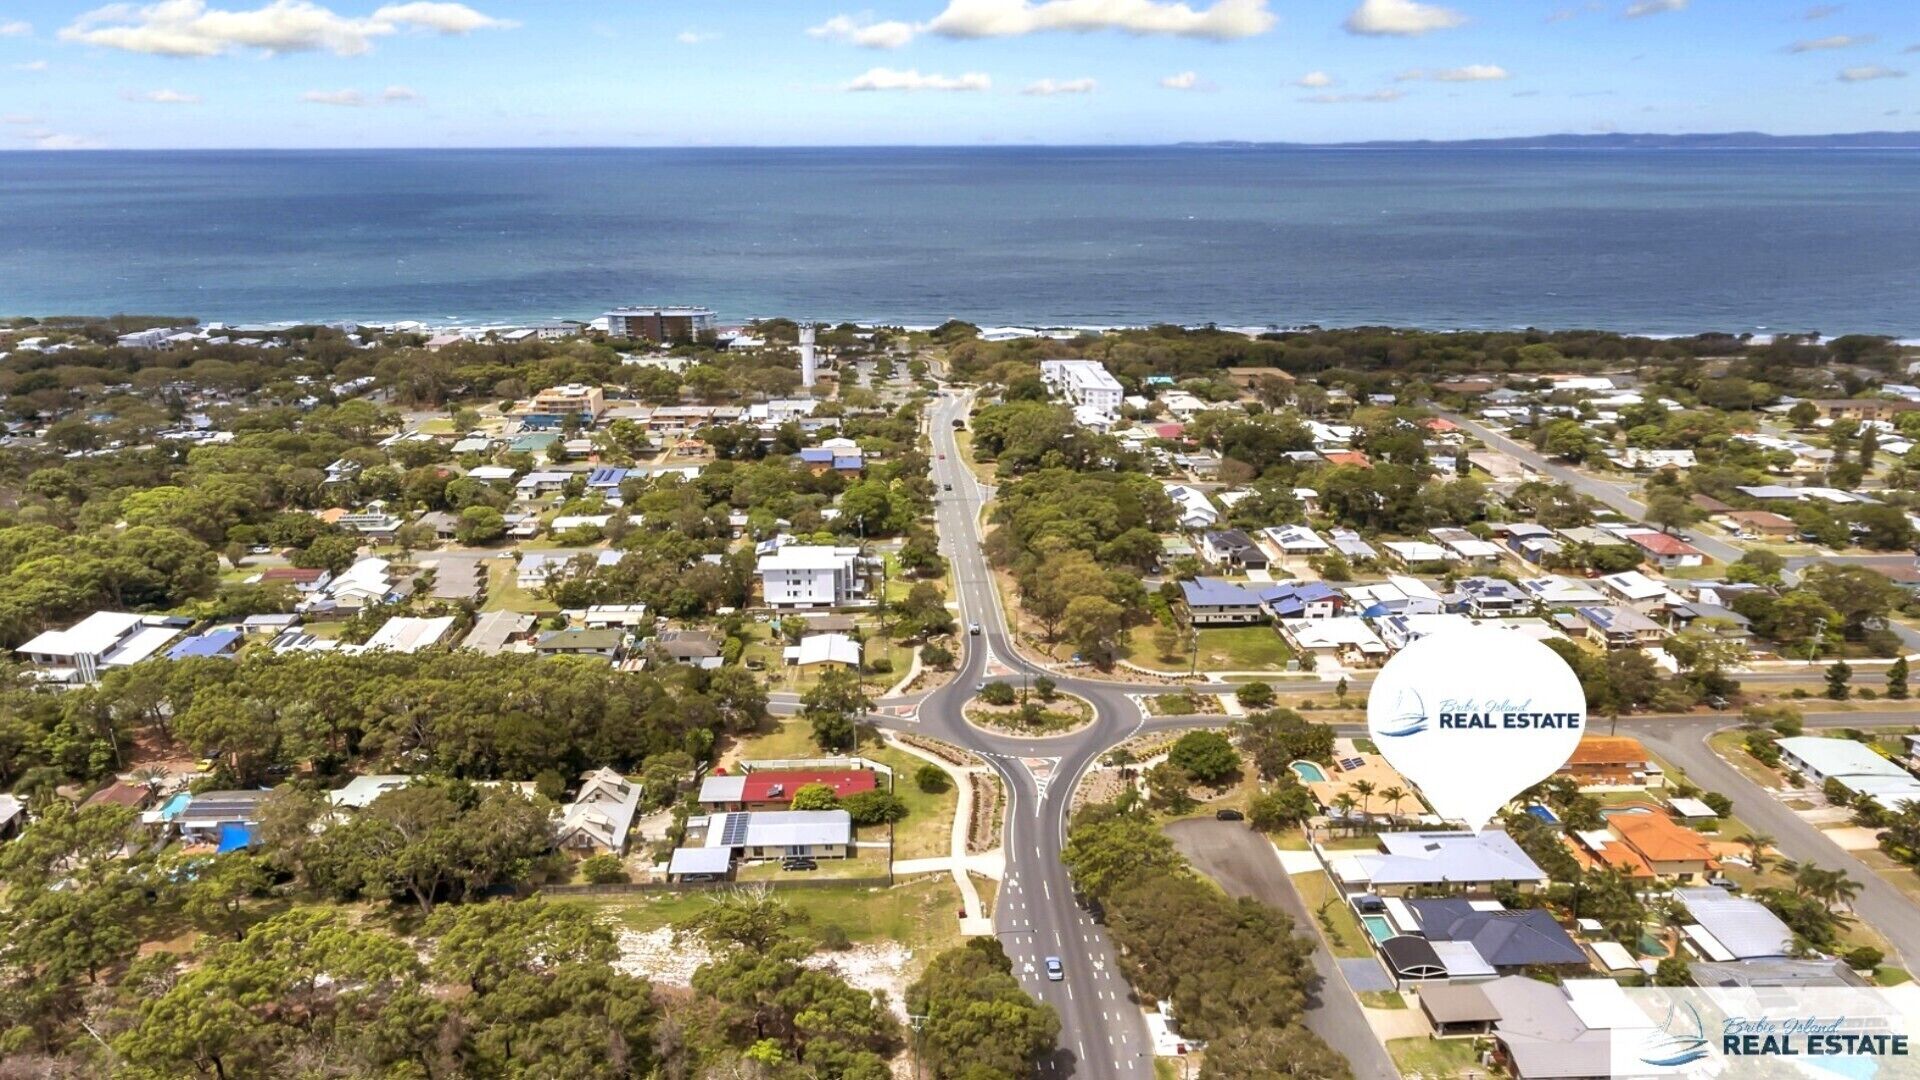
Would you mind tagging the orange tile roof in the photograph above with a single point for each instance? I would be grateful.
(1656, 838)
(1608, 750)
(1623, 858)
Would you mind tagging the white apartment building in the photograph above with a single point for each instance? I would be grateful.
(1083, 382)
(808, 576)
(104, 639)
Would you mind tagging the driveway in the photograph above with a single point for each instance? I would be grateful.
(1244, 864)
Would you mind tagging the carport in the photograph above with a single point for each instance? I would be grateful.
(1412, 958)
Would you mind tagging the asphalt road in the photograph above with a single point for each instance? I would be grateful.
(1102, 1032)
(1243, 863)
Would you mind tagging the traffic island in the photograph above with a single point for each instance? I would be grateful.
(1003, 712)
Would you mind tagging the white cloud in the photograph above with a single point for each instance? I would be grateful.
(163, 97)
(865, 32)
(19, 118)
(1642, 8)
(53, 140)
(1050, 87)
(1837, 41)
(31, 65)
(1370, 97)
(16, 28)
(694, 37)
(191, 28)
(395, 95)
(1186, 80)
(1314, 80)
(881, 78)
(1222, 20)
(1401, 18)
(351, 99)
(1821, 11)
(1870, 72)
(1470, 73)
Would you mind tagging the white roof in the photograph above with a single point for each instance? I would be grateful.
(604, 809)
(362, 790)
(723, 789)
(807, 557)
(1418, 551)
(1841, 757)
(785, 828)
(491, 472)
(1345, 631)
(93, 634)
(1634, 585)
(1603, 1003)
(1614, 956)
(408, 634)
(1556, 589)
(700, 860)
(1742, 928)
(1296, 538)
(1692, 808)
(825, 649)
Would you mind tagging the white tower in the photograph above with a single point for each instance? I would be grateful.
(807, 368)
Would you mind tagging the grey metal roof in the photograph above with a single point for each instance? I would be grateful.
(785, 828)
(1414, 858)
(1502, 938)
(700, 860)
(722, 789)
(1745, 927)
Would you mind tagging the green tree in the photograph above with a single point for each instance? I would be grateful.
(1286, 804)
(480, 525)
(1293, 1050)
(1897, 679)
(978, 1020)
(833, 707)
(216, 902)
(931, 779)
(1207, 755)
(815, 797)
(1255, 695)
(1839, 681)
(874, 807)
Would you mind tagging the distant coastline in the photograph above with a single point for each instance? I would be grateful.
(1726, 140)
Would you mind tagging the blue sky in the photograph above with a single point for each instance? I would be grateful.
(300, 73)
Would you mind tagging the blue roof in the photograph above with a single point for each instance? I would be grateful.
(848, 461)
(1213, 592)
(212, 643)
(1303, 591)
(1502, 938)
(234, 838)
(817, 455)
(606, 476)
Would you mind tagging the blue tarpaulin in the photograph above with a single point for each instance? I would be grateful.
(234, 838)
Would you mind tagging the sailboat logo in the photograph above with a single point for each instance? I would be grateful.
(1681, 1039)
(1409, 716)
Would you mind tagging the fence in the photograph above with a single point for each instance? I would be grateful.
(620, 887)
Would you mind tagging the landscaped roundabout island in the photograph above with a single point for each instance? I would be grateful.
(1035, 710)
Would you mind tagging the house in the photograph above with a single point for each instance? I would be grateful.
(226, 818)
(364, 583)
(300, 579)
(127, 793)
(1652, 846)
(1726, 927)
(827, 624)
(1303, 600)
(1412, 553)
(606, 643)
(1344, 639)
(1611, 761)
(1854, 766)
(1467, 547)
(1725, 623)
(1400, 631)
(1505, 941)
(1539, 1036)
(1666, 550)
(1295, 541)
(1762, 525)
(600, 815)
(491, 474)
(826, 651)
(692, 648)
(806, 576)
(1489, 598)
(1463, 862)
(495, 632)
(1555, 591)
(776, 834)
(223, 642)
(102, 640)
(407, 634)
(536, 568)
(360, 792)
(1213, 602)
(1192, 508)
(1232, 548)
(1644, 458)
(772, 789)
(1398, 595)
(376, 524)
(1348, 543)
(1621, 627)
(541, 482)
(1864, 409)
(553, 407)
(1634, 589)
(622, 616)
(13, 817)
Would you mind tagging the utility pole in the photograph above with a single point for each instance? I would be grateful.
(1813, 643)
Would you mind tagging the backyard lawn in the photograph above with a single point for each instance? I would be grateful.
(1436, 1057)
(505, 594)
(919, 915)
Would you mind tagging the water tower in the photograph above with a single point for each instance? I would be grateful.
(808, 367)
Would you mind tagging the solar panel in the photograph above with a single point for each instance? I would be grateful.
(1352, 763)
(734, 832)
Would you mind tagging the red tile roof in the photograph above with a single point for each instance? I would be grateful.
(772, 785)
(1664, 544)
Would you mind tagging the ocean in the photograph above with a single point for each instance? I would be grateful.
(1645, 241)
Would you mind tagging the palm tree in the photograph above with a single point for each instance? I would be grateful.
(1366, 790)
(1757, 845)
(1345, 804)
(1394, 796)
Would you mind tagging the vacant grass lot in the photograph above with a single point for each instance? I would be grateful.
(1222, 648)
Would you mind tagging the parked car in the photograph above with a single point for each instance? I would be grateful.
(1229, 815)
(1055, 972)
(798, 862)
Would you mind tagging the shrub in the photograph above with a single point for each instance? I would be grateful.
(605, 869)
(1722, 806)
(998, 694)
(874, 807)
(833, 938)
(1864, 958)
(1255, 695)
(815, 797)
(931, 779)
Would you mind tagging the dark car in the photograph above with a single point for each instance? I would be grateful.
(1229, 815)
(799, 863)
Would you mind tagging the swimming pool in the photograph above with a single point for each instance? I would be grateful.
(1378, 926)
(1309, 772)
(172, 807)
